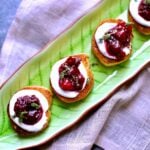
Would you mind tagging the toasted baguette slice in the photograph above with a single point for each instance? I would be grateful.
(103, 59)
(143, 29)
(48, 95)
(89, 85)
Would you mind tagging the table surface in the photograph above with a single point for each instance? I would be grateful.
(8, 10)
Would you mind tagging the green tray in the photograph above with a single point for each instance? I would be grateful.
(75, 40)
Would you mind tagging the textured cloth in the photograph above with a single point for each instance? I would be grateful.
(122, 122)
(7, 14)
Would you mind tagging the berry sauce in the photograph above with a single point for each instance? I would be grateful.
(28, 109)
(144, 9)
(118, 38)
(70, 78)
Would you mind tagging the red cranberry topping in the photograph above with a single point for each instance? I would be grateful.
(118, 38)
(70, 77)
(28, 109)
(144, 9)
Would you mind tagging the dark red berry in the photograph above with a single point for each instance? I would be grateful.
(120, 37)
(70, 77)
(66, 84)
(28, 109)
(144, 10)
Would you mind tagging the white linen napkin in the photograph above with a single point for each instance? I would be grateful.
(122, 123)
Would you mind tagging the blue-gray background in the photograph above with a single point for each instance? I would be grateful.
(8, 10)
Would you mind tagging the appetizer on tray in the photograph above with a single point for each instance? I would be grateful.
(111, 42)
(71, 78)
(139, 14)
(28, 110)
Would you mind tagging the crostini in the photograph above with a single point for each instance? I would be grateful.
(111, 42)
(28, 110)
(71, 78)
(139, 14)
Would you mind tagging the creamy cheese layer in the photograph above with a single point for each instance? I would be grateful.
(37, 126)
(100, 32)
(133, 8)
(54, 77)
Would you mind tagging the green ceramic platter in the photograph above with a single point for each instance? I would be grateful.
(77, 39)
